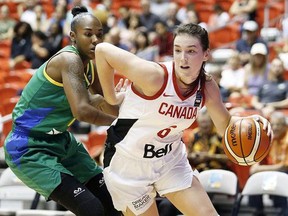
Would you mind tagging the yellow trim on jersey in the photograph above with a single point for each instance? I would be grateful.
(90, 65)
(92, 71)
(71, 122)
(51, 80)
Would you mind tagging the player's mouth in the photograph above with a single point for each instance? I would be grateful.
(92, 49)
(184, 67)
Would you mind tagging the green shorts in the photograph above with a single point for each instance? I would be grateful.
(38, 161)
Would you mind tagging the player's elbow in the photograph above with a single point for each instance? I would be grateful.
(81, 112)
(101, 48)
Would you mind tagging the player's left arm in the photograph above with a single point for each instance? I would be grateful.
(218, 112)
(96, 97)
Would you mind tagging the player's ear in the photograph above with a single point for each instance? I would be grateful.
(72, 36)
(207, 55)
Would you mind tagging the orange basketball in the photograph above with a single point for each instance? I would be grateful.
(245, 142)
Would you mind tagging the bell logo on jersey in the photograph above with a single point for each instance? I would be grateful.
(150, 152)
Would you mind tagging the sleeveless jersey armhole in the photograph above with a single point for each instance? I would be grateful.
(161, 90)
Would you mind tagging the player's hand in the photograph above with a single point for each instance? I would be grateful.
(266, 124)
(121, 85)
(120, 90)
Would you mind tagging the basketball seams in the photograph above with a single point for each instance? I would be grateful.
(253, 137)
(257, 139)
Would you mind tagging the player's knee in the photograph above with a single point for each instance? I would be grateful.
(77, 198)
(98, 187)
(90, 208)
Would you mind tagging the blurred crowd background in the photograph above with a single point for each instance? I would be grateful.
(249, 60)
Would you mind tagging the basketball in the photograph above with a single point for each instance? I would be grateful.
(245, 142)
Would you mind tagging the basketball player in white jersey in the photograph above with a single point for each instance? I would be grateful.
(144, 153)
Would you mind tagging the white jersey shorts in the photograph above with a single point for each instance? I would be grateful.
(133, 183)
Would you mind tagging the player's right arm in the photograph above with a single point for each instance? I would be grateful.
(68, 69)
(146, 76)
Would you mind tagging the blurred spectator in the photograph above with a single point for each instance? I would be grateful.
(104, 5)
(41, 49)
(204, 146)
(57, 3)
(172, 20)
(277, 159)
(40, 21)
(103, 16)
(164, 40)
(114, 37)
(282, 51)
(273, 94)
(182, 12)
(26, 10)
(59, 16)
(216, 72)
(143, 49)
(256, 71)
(147, 18)
(124, 16)
(233, 75)
(191, 16)
(55, 37)
(6, 23)
(160, 8)
(218, 18)
(250, 36)
(242, 10)
(34, 15)
(21, 43)
(128, 34)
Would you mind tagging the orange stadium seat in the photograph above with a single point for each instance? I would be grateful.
(48, 7)
(4, 65)
(15, 80)
(204, 12)
(23, 73)
(5, 47)
(275, 9)
(225, 35)
(23, 65)
(8, 91)
(116, 4)
(95, 143)
(182, 3)
(225, 4)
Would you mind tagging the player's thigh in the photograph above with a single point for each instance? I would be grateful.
(151, 211)
(193, 200)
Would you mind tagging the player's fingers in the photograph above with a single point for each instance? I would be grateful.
(125, 84)
(119, 85)
(266, 124)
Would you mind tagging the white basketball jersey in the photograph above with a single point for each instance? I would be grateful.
(151, 127)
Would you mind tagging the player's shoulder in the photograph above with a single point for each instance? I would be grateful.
(66, 57)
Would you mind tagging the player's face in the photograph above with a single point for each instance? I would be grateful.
(88, 34)
(188, 57)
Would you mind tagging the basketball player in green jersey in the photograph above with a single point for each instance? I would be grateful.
(39, 149)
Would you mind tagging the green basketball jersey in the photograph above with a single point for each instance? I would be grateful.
(43, 106)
